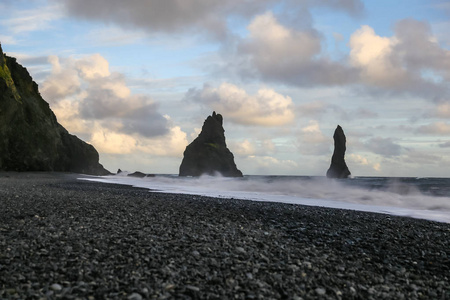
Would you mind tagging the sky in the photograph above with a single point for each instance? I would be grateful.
(137, 79)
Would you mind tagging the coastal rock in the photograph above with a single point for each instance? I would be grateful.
(31, 139)
(140, 175)
(208, 153)
(338, 167)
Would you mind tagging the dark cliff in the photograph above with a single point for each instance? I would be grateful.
(31, 139)
(338, 167)
(208, 153)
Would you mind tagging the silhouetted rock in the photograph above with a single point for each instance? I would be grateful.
(338, 167)
(31, 139)
(208, 153)
(140, 175)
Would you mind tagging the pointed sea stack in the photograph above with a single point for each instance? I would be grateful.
(338, 167)
(31, 139)
(208, 153)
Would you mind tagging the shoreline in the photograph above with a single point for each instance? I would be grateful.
(63, 237)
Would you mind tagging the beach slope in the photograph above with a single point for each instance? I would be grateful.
(66, 238)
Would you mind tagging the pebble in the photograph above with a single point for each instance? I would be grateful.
(193, 288)
(56, 287)
(119, 242)
(135, 296)
(321, 291)
(240, 250)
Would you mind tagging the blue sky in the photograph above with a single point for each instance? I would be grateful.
(138, 80)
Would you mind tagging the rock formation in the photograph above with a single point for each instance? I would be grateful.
(208, 153)
(31, 139)
(338, 167)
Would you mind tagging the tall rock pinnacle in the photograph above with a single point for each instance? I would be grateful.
(208, 153)
(338, 167)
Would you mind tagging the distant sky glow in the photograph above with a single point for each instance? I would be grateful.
(137, 79)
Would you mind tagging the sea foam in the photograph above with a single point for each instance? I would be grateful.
(382, 195)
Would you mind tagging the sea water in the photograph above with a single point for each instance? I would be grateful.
(424, 198)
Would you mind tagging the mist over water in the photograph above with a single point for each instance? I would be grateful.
(426, 198)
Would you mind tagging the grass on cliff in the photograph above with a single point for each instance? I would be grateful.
(6, 75)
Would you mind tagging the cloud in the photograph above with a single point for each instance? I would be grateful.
(169, 16)
(411, 61)
(33, 19)
(358, 160)
(112, 142)
(372, 53)
(101, 96)
(443, 110)
(268, 165)
(7, 40)
(265, 108)
(277, 53)
(244, 148)
(438, 128)
(422, 158)
(383, 146)
(198, 16)
(61, 83)
(247, 147)
(444, 145)
(90, 100)
(316, 108)
(311, 140)
(114, 36)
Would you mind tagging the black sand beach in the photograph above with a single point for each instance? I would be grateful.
(65, 238)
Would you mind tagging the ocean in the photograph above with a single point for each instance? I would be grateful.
(423, 198)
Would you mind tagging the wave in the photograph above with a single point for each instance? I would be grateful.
(406, 197)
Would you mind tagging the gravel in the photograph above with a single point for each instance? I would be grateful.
(63, 238)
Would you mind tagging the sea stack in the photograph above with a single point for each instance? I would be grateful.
(338, 167)
(31, 139)
(208, 153)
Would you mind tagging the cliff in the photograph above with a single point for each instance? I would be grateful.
(31, 139)
(338, 167)
(208, 153)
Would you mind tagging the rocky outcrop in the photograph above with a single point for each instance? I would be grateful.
(338, 167)
(208, 153)
(31, 139)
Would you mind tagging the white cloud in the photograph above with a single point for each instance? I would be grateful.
(90, 100)
(273, 45)
(93, 67)
(33, 19)
(61, 83)
(244, 148)
(372, 53)
(101, 95)
(109, 141)
(357, 161)
(265, 108)
(277, 53)
(412, 60)
(248, 147)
